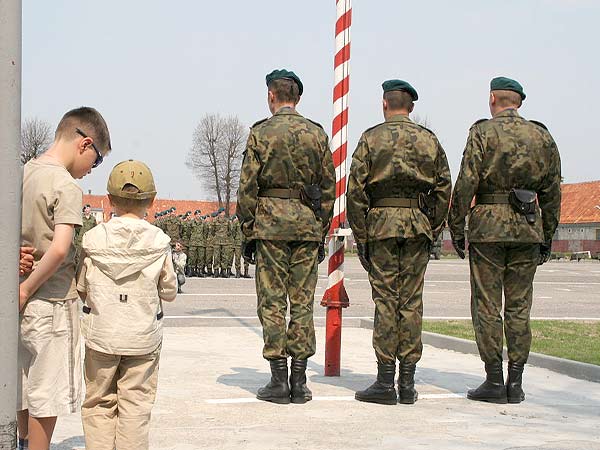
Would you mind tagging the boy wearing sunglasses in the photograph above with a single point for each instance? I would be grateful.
(49, 352)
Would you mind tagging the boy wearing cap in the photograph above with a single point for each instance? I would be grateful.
(49, 383)
(126, 273)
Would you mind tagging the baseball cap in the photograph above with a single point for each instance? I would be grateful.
(134, 173)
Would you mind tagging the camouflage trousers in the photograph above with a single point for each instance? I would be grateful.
(397, 274)
(221, 256)
(237, 257)
(286, 268)
(196, 257)
(498, 267)
(210, 253)
(229, 250)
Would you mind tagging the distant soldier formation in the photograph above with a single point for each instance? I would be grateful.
(212, 242)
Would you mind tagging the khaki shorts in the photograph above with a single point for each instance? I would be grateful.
(49, 382)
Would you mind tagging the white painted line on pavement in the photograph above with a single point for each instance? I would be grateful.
(341, 398)
(216, 295)
(193, 317)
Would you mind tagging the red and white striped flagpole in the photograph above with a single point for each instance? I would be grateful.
(335, 297)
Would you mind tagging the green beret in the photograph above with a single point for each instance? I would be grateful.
(507, 84)
(400, 85)
(287, 74)
(221, 210)
(197, 211)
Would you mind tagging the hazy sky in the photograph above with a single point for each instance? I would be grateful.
(154, 68)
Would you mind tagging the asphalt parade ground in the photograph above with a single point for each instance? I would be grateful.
(211, 368)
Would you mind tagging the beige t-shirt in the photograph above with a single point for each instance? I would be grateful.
(50, 196)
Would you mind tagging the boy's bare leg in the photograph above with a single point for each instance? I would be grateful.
(40, 432)
(23, 423)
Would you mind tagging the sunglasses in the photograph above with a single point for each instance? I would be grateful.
(99, 157)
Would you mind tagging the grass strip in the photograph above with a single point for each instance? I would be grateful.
(575, 340)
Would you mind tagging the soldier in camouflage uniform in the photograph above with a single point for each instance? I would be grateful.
(236, 239)
(398, 197)
(221, 230)
(186, 230)
(209, 231)
(287, 158)
(89, 222)
(502, 154)
(197, 246)
(173, 226)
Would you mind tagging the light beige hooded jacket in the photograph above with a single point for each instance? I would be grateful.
(126, 272)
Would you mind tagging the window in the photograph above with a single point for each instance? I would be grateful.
(598, 234)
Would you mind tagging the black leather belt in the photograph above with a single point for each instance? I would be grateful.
(493, 199)
(394, 202)
(279, 193)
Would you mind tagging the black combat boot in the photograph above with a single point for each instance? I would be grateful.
(492, 390)
(383, 390)
(237, 273)
(514, 390)
(187, 271)
(227, 273)
(246, 272)
(300, 392)
(278, 389)
(216, 273)
(407, 394)
(209, 272)
(202, 273)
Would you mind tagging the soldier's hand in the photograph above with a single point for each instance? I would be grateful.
(459, 246)
(249, 252)
(363, 255)
(321, 252)
(545, 252)
(26, 260)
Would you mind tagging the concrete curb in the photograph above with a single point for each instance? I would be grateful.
(575, 369)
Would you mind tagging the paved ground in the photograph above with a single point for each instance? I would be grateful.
(561, 289)
(209, 376)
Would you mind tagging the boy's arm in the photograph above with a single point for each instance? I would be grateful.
(81, 286)
(167, 283)
(52, 259)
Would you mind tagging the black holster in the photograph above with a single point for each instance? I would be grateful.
(426, 205)
(523, 202)
(310, 195)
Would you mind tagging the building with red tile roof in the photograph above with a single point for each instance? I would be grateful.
(101, 206)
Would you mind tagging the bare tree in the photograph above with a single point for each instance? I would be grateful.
(234, 139)
(421, 120)
(36, 137)
(215, 155)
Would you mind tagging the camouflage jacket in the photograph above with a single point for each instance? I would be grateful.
(285, 151)
(221, 230)
(209, 233)
(236, 233)
(186, 231)
(503, 153)
(397, 158)
(173, 228)
(88, 224)
(197, 233)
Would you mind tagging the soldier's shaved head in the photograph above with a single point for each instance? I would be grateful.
(285, 90)
(398, 100)
(507, 99)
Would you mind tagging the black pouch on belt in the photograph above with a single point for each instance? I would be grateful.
(523, 202)
(310, 195)
(426, 205)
